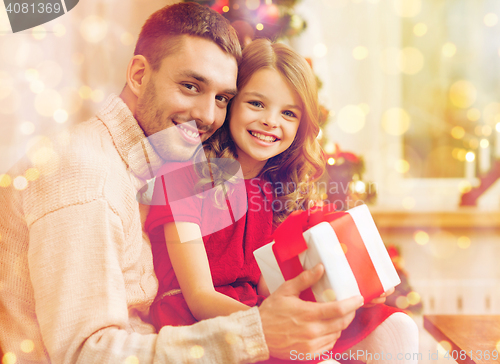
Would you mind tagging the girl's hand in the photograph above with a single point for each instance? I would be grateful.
(380, 299)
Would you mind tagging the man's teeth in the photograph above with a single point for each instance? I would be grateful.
(265, 138)
(189, 132)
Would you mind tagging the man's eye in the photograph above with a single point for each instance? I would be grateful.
(190, 86)
(222, 98)
(289, 113)
(256, 103)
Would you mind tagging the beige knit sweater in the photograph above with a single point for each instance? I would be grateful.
(76, 271)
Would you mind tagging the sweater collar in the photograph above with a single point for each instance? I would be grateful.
(129, 139)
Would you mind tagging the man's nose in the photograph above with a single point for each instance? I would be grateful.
(205, 111)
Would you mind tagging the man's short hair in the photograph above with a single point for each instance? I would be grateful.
(160, 35)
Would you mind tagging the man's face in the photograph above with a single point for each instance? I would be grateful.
(194, 84)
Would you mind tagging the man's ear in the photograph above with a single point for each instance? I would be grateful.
(138, 74)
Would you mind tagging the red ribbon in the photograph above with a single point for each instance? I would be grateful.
(289, 243)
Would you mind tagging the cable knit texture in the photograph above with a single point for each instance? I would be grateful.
(76, 271)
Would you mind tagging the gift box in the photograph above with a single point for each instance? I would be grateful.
(347, 243)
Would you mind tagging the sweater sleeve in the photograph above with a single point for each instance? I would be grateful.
(81, 300)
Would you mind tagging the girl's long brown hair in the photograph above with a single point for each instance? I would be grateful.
(297, 168)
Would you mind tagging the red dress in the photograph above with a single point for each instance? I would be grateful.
(229, 244)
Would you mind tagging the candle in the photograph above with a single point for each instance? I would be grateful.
(470, 165)
(484, 156)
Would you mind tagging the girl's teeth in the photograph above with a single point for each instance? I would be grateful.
(264, 138)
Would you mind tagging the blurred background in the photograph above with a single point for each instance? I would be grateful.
(410, 95)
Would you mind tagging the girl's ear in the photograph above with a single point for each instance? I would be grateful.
(138, 74)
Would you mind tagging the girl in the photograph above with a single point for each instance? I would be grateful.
(271, 131)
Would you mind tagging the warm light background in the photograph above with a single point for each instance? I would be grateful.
(413, 86)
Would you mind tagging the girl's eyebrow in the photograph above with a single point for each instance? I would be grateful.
(258, 94)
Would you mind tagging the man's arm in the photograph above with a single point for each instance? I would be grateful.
(81, 300)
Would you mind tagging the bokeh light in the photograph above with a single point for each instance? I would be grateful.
(6, 84)
(39, 32)
(320, 50)
(27, 128)
(259, 26)
(449, 49)
(60, 116)
(27, 346)
(462, 94)
(411, 61)
(360, 53)
(132, 359)
(463, 242)
(490, 113)
(420, 29)
(490, 19)
(225, 8)
(402, 166)
(407, 8)
(443, 347)
(421, 237)
(9, 358)
(197, 351)
(20, 183)
(93, 29)
(97, 95)
(50, 73)
(329, 295)
(47, 102)
(473, 114)
(37, 86)
(127, 39)
(331, 161)
(464, 186)
(413, 298)
(484, 143)
(470, 156)
(402, 302)
(395, 121)
(252, 4)
(457, 132)
(32, 174)
(85, 92)
(365, 108)
(5, 180)
(59, 30)
(351, 119)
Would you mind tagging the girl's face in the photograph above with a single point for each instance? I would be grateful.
(265, 117)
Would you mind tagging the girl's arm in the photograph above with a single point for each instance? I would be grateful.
(190, 263)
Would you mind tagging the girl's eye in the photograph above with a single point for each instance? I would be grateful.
(289, 113)
(255, 103)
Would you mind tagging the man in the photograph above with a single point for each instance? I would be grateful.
(76, 273)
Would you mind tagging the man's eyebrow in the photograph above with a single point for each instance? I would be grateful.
(201, 78)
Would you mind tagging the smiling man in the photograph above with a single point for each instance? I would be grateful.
(76, 272)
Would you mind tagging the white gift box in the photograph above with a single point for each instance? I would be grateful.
(324, 246)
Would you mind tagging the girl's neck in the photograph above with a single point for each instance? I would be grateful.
(251, 169)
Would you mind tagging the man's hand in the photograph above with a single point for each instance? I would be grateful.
(307, 327)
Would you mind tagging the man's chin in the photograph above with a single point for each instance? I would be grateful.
(178, 154)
